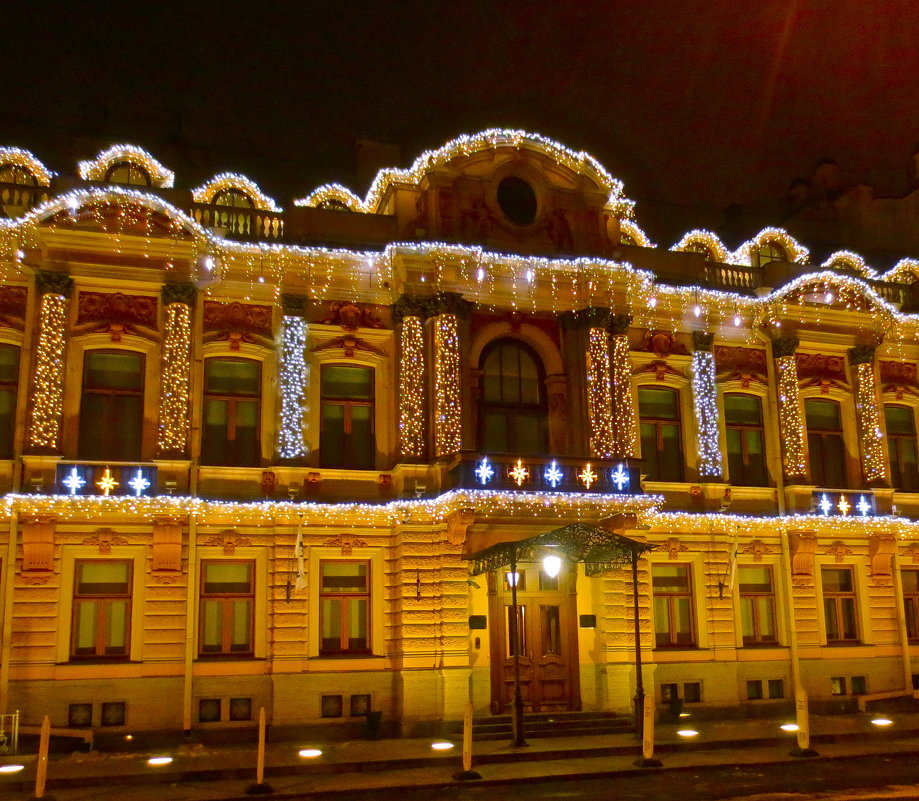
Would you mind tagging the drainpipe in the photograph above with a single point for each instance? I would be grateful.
(639, 681)
(191, 624)
(6, 646)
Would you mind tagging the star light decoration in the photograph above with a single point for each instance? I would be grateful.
(74, 481)
(620, 477)
(519, 473)
(825, 505)
(139, 483)
(553, 475)
(863, 506)
(107, 483)
(844, 506)
(587, 475)
(484, 472)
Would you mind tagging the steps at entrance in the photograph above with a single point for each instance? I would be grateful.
(552, 724)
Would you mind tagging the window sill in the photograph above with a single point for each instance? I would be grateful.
(845, 644)
(349, 655)
(227, 658)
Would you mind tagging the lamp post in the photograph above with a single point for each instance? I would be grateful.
(517, 716)
(639, 683)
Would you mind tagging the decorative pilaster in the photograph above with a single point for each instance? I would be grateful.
(175, 382)
(868, 415)
(408, 313)
(791, 420)
(625, 419)
(705, 405)
(447, 309)
(293, 379)
(47, 391)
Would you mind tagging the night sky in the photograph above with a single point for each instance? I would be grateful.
(694, 103)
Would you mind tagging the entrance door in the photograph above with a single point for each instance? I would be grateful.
(549, 649)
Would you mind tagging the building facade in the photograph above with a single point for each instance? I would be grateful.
(248, 455)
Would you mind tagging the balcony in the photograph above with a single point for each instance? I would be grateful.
(17, 199)
(248, 225)
(507, 472)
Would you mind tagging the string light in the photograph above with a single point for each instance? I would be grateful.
(97, 169)
(18, 157)
(705, 404)
(625, 420)
(232, 180)
(795, 251)
(411, 388)
(639, 237)
(705, 242)
(447, 402)
(599, 394)
(48, 389)
(868, 417)
(791, 421)
(175, 386)
(334, 192)
(291, 436)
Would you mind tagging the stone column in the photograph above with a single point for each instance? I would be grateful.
(293, 377)
(625, 418)
(47, 389)
(705, 406)
(175, 380)
(408, 316)
(447, 311)
(868, 415)
(791, 418)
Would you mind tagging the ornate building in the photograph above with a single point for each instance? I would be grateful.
(254, 456)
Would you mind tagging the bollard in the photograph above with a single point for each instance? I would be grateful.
(647, 760)
(467, 773)
(41, 770)
(260, 788)
(803, 748)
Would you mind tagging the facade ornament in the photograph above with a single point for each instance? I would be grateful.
(13, 300)
(662, 344)
(350, 316)
(703, 341)
(862, 354)
(38, 543)
(449, 303)
(784, 346)
(881, 548)
(839, 551)
(457, 525)
(167, 544)
(347, 542)
(746, 365)
(229, 540)
(49, 282)
(116, 313)
(912, 551)
(803, 546)
(675, 547)
(757, 549)
(237, 322)
(105, 538)
(409, 306)
(293, 305)
(349, 344)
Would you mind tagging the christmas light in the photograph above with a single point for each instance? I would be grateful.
(48, 386)
(795, 252)
(292, 380)
(620, 477)
(231, 180)
(625, 419)
(553, 475)
(844, 506)
(847, 260)
(485, 472)
(868, 418)
(411, 388)
(447, 399)
(107, 483)
(74, 481)
(599, 394)
(826, 505)
(706, 243)
(587, 476)
(519, 473)
(176, 379)
(334, 192)
(138, 483)
(633, 232)
(705, 405)
(18, 157)
(791, 422)
(97, 169)
(863, 506)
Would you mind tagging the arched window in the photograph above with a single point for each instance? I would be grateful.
(112, 407)
(234, 198)
(127, 172)
(513, 411)
(333, 204)
(235, 217)
(14, 174)
(701, 248)
(769, 252)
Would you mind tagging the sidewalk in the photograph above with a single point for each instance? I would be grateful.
(200, 773)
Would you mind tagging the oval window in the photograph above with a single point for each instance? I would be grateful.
(517, 200)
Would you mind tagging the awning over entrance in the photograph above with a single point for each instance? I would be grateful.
(600, 549)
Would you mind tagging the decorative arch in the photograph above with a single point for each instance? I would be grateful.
(794, 250)
(631, 229)
(905, 271)
(231, 180)
(844, 289)
(18, 157)
(847, 260)
(97, 169)
(697, 239)
(530, 335)
(333, 192)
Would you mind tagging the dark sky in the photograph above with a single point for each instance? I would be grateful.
(708, 102)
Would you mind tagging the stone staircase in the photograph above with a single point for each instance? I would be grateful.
(552, 724)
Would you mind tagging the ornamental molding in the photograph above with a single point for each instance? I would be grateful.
(747, 365)
(116, 314)
(838, 551)
(167, 544)
(757, 549)
(409, 306)
(237, 322)
(52, 283)
(350, 316)
(912, 553)
(294, 305)
(803, 546)
(591, 317)
(703, 341)
(881, 549)
(34, 579)
(175, 292)
(457, 525)
(784, 346)
(662, 344)
(899, 378)
(229, 540)
(862, 354)
(349, 344)
(13, 300)
(347, 542)
(38, 543)
(820, 369)
(104, 539)
(675, 548)
(660, 369)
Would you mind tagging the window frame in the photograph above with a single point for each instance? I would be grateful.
(348, 404)
(658, 423)
(838, 597)
(112, 411)
(822, 434)
(12, 388)
(776, 252)
(758, 640)
(133, 167)
(893, 444)
(367, 595)
(910, 602)
(743, 428)
(232, 400)
(670, 596)
(226, 599)
(104, 600)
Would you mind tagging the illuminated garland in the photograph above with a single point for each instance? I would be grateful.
(176, 379)
(869, 423)
(905, 271)
(48, 387)
(23, 158)
(96, 169)
(448, 438)
(848, 260)
(625, 420)
(291, 436)
(791, 420)
(231, 180)
(599, 395)
(705, 405)
(411, 388)
(333, 192)
(698, 240)
(795, 251)
(639, 237)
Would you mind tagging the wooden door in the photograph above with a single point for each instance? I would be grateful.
(547, 610)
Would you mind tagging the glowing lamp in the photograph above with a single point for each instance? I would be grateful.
(158, 761)
(512, 579)
(309, 753)
(882, 721)
(552, 565)
(687, 732)
(11, 768)
(789, 727)
(444, 746)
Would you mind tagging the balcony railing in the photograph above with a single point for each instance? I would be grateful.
(246, 224)
(16, 199)
(508, 472)
(732, 277)
(105, 478)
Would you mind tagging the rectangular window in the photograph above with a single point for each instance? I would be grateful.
(661, 437)
(743, 417)
(227, 605)
(901, 447)
(112, 406)
(757, 605)
(9, 383)
(231, 417)
(101, 609)
(825, 444)
(331, 706)
(692, 692)
(114, 713)
(838, 685)
(673, 618)
(910, 581)
(839, 608)
(754, 690)
(344, 607)
(776, 688)
(346, 436)
(209, 710)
